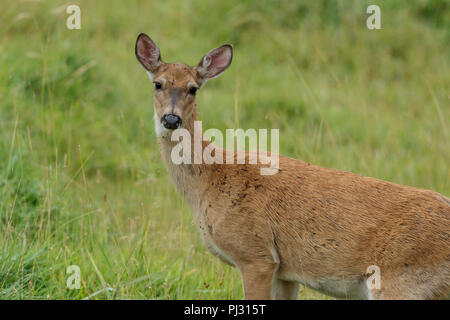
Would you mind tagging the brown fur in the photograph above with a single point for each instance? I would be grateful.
(309, 224)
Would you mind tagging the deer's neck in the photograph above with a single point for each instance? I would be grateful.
(186, 177)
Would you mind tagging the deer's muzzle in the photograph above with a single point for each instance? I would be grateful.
(171, 121)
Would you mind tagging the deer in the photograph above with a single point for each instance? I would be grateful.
(305, 225)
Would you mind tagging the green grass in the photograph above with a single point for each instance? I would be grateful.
(81, 179)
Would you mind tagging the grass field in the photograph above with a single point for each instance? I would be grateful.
(81, 179)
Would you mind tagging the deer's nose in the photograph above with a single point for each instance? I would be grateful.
(171, 121)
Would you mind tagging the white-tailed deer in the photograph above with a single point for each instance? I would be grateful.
(306, 224)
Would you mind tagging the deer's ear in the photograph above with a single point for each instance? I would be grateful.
(147, 53)
(215, 62)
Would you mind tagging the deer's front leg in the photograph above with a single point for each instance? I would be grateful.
(258, 280)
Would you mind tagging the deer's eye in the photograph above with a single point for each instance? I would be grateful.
(157, 85)
(193, 90)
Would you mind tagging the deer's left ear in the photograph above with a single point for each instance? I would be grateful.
(214, 63)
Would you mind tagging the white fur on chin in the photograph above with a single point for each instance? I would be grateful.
(160, 130)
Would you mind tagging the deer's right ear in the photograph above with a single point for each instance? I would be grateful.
(147, 53)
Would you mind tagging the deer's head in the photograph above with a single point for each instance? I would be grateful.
(176, 84)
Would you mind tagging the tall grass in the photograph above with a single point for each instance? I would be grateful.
(81, 179)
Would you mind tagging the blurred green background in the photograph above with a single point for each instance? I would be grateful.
(81, 179)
